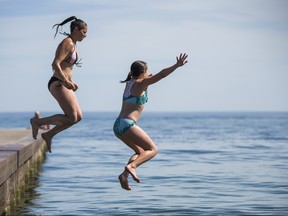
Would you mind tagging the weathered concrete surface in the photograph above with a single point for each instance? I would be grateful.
(10, 136)
(19, 153)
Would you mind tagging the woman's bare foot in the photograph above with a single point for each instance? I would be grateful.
(123, 178)
(47, 141)
(35, 127)
(132, 171)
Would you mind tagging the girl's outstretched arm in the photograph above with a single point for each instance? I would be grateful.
(181, 60)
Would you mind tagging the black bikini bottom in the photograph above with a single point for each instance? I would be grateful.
(53, 79)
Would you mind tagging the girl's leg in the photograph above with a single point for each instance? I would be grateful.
(142, 144)
(123, 177)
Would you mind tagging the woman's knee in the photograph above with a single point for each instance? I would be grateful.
(73, 119)
(155, 150)
(79, 117)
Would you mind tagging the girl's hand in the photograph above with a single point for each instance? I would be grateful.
(181, 60)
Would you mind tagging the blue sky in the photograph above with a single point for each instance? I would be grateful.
(238, 53)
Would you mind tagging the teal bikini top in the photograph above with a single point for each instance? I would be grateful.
(129, 98)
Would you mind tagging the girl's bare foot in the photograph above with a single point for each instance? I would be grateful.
(35, 127)
(132, 171)
(47, 141)
(123, 178)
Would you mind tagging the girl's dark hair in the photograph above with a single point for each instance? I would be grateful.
(137, 68)
(80, 24)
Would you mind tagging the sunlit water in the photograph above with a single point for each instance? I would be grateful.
(208, 164)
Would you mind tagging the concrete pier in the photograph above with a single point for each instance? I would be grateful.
(19, 153)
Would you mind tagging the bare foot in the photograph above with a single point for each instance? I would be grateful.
(47, 141)
(123, 178)
(35, 127)
(132, 171)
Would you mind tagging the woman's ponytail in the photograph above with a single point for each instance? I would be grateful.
(76, 23)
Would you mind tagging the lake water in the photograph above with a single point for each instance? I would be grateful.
(208, 164)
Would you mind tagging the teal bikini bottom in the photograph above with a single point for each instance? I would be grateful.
(121, 125)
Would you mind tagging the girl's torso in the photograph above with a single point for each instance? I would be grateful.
(132, 105)
(128, 97)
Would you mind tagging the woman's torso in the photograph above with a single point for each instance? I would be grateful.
(67, 64)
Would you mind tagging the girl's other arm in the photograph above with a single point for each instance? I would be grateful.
(181, 60)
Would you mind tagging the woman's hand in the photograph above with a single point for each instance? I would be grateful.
(181, 60)
(70, 85)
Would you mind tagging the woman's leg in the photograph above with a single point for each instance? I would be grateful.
(70, 106)
(58, 120)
